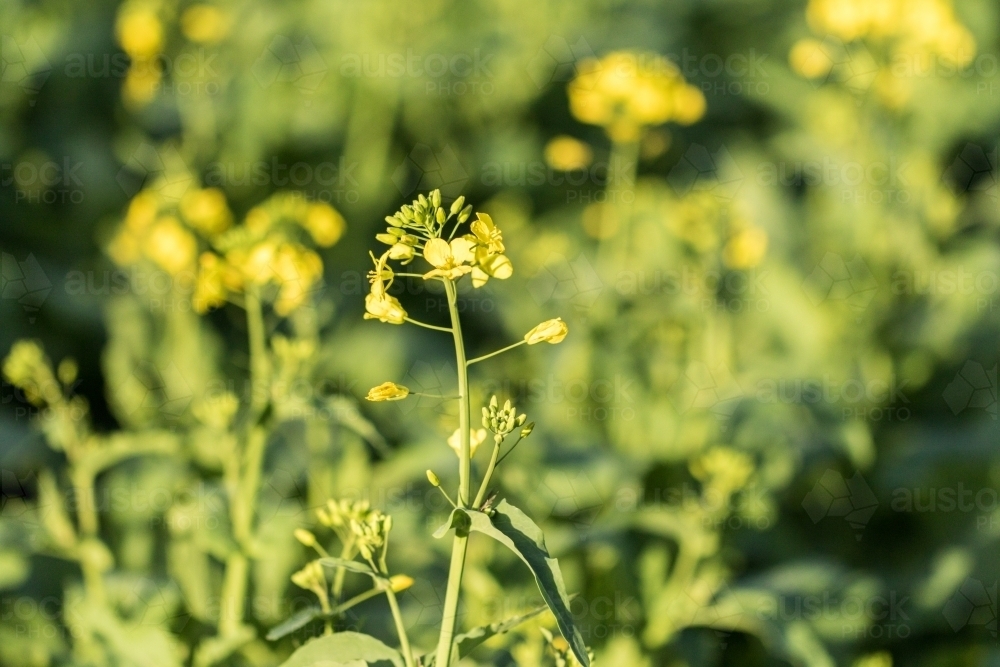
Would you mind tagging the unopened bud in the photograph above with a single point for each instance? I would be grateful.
(305, 537)
(457, 205)
(400, 582)
(433, 479)
(526, 431)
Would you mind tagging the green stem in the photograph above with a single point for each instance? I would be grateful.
(486, 478)
(234, 587)
(86, 512)
(247, 472)
(493, 354)
(404, 641)
(449, 617)
(427, 326)
(338, 577)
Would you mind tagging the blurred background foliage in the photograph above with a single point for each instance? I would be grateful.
(770, 437)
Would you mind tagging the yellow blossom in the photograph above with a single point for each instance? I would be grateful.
(206, 210)
(476, 438)
(388, 391)
(450, 260)
(549, 331)
(204, 24)
(210, 287)
(324, 224)
(809, 58)
(486, 234)
(567, 154)
(379, 304)
(745, 249)
(139, 32)
(170, 245)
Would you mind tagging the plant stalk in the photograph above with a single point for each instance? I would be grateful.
(449, 617)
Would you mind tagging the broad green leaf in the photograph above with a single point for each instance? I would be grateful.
(344, 649)
(465, 642)
(512, 528)
(294, 622)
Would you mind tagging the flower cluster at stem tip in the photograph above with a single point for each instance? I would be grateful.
(195, 236)
(625, 92)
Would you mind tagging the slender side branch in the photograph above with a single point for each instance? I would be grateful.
(427, 326)
(493, 354)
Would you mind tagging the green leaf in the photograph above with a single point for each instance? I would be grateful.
(294, 622)
(344, 649)
(458, 520)
(512, 528)
(352, 566)
(465, 642)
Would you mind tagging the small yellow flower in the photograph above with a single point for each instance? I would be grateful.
(139, 32)
(476, 438)
(450, 260)
(567, 154)
(809, 58)
(210, 287)
(486, 234)
(388, 391)
(745, 249)
(400, 582)
(379, 304)
(549, 331)
(324, 224)
(207, 211)
(490, 266)
(204, 24)
(170, 245)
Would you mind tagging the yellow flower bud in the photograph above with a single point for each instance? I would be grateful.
(400, 582)
(549, 331)
(388, 391)
(433, 479)
(305, 537)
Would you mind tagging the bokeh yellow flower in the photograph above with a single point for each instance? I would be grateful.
(139, 31)
(170, 245)
(626, 92)
(745, 249)
(476, 438)
(324, 224)
(206, 210)
(205, 24)
(564, 153)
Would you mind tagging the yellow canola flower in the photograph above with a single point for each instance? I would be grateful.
(387, 391)
(565, 153)
(549, 331)
(450, 260)
(486, 234)
(139, 31)
(210, 287)
(204, 24)
(324, 224)
(476, 438)
(745, 249)
(170, 245)
(400, 582)
(625, 92)
(206, 210)
(810, 58)
(379, 304)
